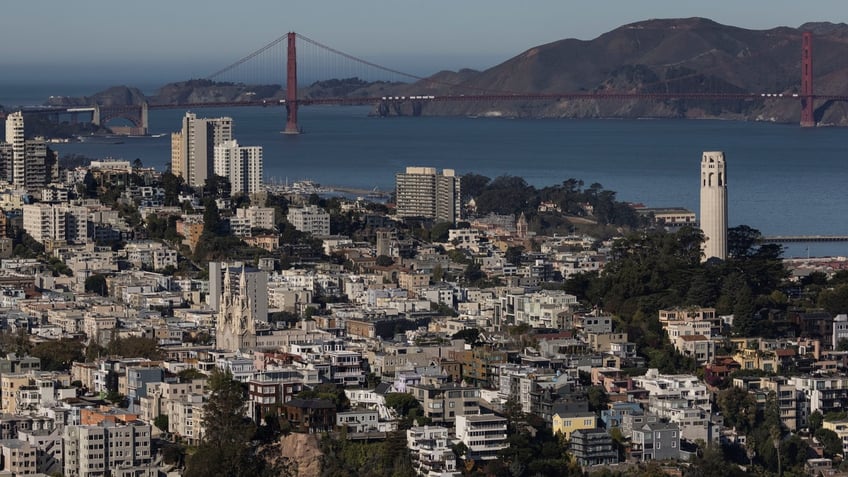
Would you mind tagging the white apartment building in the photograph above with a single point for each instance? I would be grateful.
(484, 435)
(431, 452)
(674, 386)
(103, 449)
(151, 254)
(258, 217)
(310, 219)
(185, 418)
(193, 148)
(62, 223)
(542, 309)
(361, 421)
(242, 165)
(422, 192)
(15, 137)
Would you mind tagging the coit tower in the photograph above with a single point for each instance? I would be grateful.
(714, 205)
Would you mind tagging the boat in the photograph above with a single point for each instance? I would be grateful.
(377, 194)
(100, 139)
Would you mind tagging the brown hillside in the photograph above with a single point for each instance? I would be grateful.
(692, 54)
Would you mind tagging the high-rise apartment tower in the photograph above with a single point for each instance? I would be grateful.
(193, 148)
(422, 192)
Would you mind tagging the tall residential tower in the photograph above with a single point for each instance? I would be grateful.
(15, 137)
(714, 205)
(193, 148)
(422, 192)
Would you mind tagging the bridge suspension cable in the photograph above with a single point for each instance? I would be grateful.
(359, 60)
(393, 71)
(247, 58)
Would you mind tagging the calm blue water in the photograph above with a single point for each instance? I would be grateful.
(781, 179)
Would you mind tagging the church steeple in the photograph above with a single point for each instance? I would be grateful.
(521, 226)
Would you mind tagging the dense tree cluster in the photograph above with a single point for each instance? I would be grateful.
(512, 195)
(228, 447)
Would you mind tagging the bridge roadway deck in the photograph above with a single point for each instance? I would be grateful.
(803, 238)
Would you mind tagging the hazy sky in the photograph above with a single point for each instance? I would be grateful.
(194, 37)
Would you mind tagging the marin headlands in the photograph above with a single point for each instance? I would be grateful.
(424, 239)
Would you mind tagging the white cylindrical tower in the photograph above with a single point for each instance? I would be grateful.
(714, 205)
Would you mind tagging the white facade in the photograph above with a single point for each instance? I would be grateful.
(151, 254)
(101, 449)
(422, 192)
(714, 205)
(674, 386)
(46, 222)
(258, 217)
(15, 137)
(193, 148)
(310, 219)
(431, 451)
(484, 435)
(242, 165)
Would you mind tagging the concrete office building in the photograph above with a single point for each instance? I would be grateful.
(714, 205)
(242, 165)
(193, 148)
(422, 192)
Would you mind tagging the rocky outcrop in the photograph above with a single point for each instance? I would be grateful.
(303, 452)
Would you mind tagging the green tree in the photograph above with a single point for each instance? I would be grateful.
(739, 408)
(97, 284)
(514, 254)
(172, 185)
(712, 463)
(135, 347)
(226, 448)
(834, 300)
(58, 355)
(598, 398)
(211, 218)
(470, 335)
(161, 422)
(814, 421)
(830, 441)
(473, 185)
(384, 261)
(439, 232)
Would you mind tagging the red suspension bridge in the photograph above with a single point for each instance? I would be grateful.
(264, 66)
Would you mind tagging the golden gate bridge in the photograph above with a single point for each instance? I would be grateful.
(265, 63)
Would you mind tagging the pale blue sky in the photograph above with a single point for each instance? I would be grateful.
(194, 37)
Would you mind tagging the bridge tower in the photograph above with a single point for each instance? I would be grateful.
(291, 87)
(808, 118)
(143, 116)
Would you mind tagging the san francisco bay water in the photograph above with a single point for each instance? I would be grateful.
(781, 179)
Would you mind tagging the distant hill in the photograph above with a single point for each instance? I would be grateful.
(693, 54)
(669, 55)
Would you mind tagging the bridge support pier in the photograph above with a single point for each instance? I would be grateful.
(291, 87)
